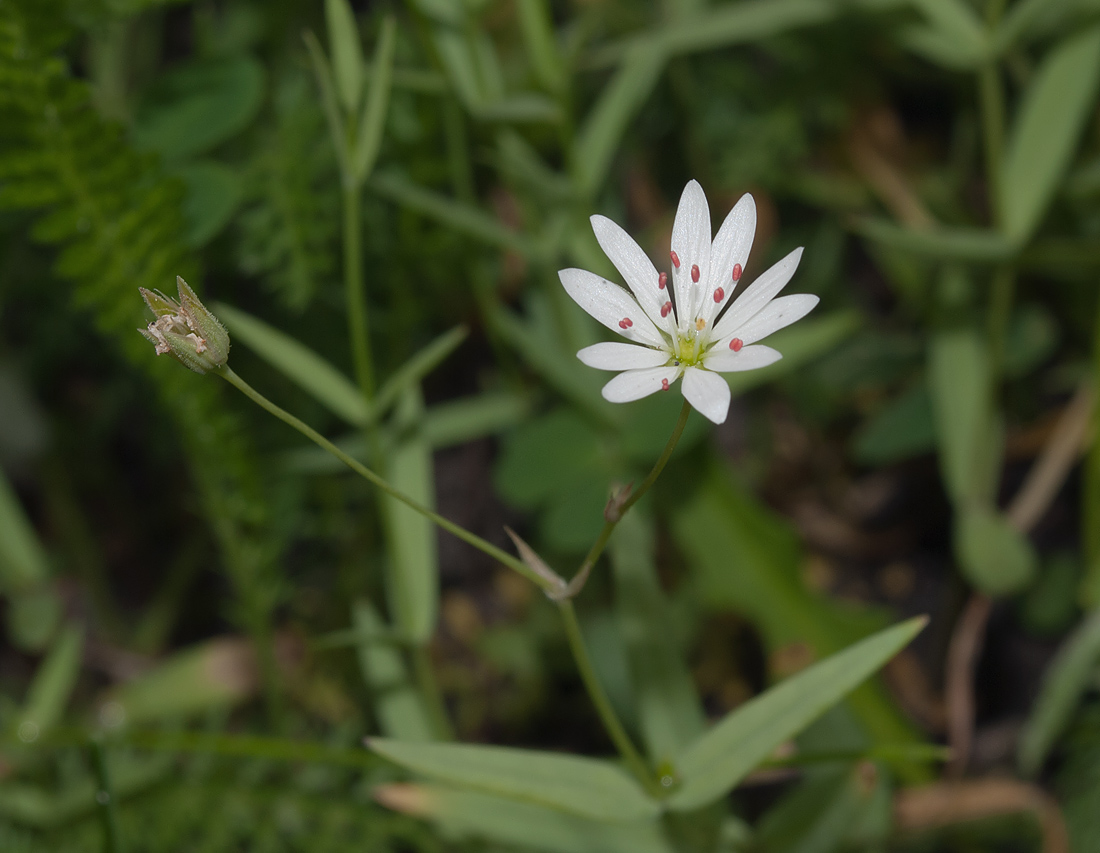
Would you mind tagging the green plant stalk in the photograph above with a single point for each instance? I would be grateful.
(433, 699)
(1001, 293)
(992, 108)
(355, 291)
(607, 714)
(599, 698)
(370, 476)
(1090, 585)
(104, 798)
(609, 526)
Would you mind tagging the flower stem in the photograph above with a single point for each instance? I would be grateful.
(609, 525)
(607, 714)
(367, 474)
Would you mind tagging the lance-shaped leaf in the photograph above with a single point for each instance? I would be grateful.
(464, 814)
(52, 685)
(347, 55)
(398, 705)
(1055, 109)
(1066, 680)
(298, 363)
(412, 583)
(569, 783)
(723, 756)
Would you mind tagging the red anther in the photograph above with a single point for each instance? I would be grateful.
(737, 272)
(664, 384)
(695, 272)
(625, 323)
(666, 309)
(662, 281)
(736, 344)
(675, 259)
(719, 294)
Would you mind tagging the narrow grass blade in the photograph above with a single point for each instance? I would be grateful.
(298, 363)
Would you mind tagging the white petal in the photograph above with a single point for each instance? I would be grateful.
(615, 356)
(691, 243)
(635, 384)
(725, 360)
(610, 304)
(635, 267)
(708, 393)
(731, 247)
(776, 315)
(759, 294)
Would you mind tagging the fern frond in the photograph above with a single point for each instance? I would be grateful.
(116, 222)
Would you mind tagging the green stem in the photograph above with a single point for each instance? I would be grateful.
(607, 714)
(991, 101)
(104, 798)
(609, 525)
(367, 474)
(356, 298)
(1002, 290)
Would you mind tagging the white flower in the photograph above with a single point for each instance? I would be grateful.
(678, 326)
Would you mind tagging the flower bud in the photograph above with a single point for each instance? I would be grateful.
(186, 330)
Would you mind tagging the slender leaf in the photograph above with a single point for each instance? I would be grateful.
(23, 563)
(962, 404)
(397, 703)
(668, 708)
(748, 560)
(537, 27)
(953, 34)
(471, 418)
(417, 367)
(568, 783)
(741, 23)
(52, 685)
(599, 137)
(369, 139)
(1067, 678)
(214, 675)
(465, 814)
(723, 756)
(962, 244)
(329, 104)
(298, 363)
(413, 579)
(347, 54)
(464, 218)
(1047, 131)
